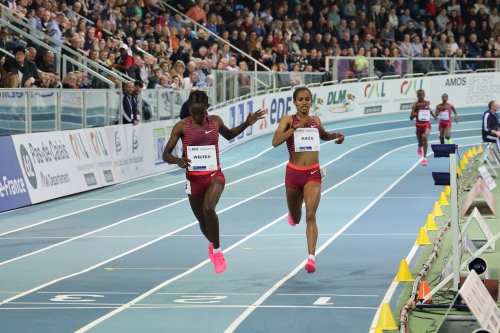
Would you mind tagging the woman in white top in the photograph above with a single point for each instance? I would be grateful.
(393, 19)
(406, 47)
(494, 18)
(479, 4)
(453, 5)
(452, 44)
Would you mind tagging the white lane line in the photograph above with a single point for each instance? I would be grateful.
(221, 293)
(186, 235)
(121, 221)
(394, 285)
(128, 252)
(390, 121)
(263, 198)
(253, 175)
(259, 302)
(333, 295)
(188, 306)
(268, 293)
(155, 289)
(87, 292)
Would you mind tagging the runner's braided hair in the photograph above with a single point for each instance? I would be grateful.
(198, 97)
(296, 92)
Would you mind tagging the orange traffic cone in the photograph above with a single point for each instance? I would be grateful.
(423, 290)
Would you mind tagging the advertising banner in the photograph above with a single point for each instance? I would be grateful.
(100, 149)
(13, 187)
(466, 90)
(135, 150)
(79, 151)
(48, 166)
(118, 148)
(389, 96)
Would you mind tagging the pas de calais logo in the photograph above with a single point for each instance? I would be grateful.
(78, 146)
(411, 86)
(135, 142)
(98, 143)
(118, 144)
(336, 102)
(263, 123)
(375, 89)
(28, 166)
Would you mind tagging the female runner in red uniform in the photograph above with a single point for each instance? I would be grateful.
(204, 179)
(422, 111)
(443, 112)
(303, 175)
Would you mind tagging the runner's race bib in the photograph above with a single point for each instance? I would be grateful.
(424, 115)
(444, 115)
(203, 158)
(306, 139)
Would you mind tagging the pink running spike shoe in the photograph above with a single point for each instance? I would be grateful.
(219, 263)
(310, 266)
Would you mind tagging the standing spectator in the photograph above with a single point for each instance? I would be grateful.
(197, 14)
(130, 106)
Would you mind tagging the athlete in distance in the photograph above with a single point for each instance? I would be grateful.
(302, 134)
(204, 179)
(422, 111)
(443, 112)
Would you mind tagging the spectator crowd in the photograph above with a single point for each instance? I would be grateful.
(147, 41)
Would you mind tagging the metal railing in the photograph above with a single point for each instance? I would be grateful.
(201, 26)
(39, 42)
(41, 110)
(347, 68)
(57, 55)
(229, 85)
(99, 67)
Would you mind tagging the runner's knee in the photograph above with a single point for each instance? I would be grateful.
(310, 216)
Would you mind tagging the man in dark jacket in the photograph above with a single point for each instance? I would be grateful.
(490, 125)
(25, 69)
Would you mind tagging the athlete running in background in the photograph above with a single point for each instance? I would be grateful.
(204, 179)
(443, 112)
(303, 175)
(422, 111)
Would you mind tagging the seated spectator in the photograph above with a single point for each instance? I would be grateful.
(25, 69)
(423, 64)
(47, 62)
(191, 80)
(69, 81)
(207, 83)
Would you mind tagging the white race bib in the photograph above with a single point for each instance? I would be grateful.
(203, 158)
(444, 115)
(306, 139)
(424, 115)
